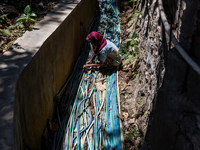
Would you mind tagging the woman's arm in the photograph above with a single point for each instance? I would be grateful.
(94, 65)
(92, 57)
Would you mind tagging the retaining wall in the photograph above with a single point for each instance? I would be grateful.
(172, 91)
(36, 68)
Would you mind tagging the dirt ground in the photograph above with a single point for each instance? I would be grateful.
(132, 104)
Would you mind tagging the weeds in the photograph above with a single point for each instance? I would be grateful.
(132, 2)
(27, 16)
(134, 133)
(138, 14)
(5, 32)
(4, 18)
(140, 102)
(147, 112)
(10, 33)
(135, 3)
(18, 25)
(129, 50)
(10, 30)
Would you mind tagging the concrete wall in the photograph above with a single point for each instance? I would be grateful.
(48, 69)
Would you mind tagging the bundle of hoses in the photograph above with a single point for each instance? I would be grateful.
(93, 123)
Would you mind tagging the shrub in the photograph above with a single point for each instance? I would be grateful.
(4, 18)
(27, 16)
(129, 50)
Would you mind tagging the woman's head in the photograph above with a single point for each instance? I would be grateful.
(97, 40)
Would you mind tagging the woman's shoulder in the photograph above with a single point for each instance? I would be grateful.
(107, 48)
(109, 44)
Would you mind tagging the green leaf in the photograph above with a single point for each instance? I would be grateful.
(19, 25)
(123, 46)
(132, 43)
(19, 19)
(22, 17)
(4, 18)
(124, 56)
(5, 32)
(28, 15)
(134, 35)
(130, 58)
(5, 15)
(11, 27)
(27, 9)
(127, 40)
(137, 12)
(33, 20)
(33, 14)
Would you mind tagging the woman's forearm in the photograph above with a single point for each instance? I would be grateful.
(92, 57)
(92, 65)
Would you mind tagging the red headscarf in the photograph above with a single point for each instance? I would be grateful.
(97, 39)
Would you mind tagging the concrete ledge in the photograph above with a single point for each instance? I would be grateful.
(33, 72)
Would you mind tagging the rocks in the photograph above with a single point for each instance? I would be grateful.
(178, 99)
(139, 92)
(174, 107)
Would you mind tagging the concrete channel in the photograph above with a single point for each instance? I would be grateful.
(35, 69)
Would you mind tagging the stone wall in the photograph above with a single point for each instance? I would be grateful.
(151, 71)
(170, 85)
(141, 91)
(51, 65)
(176, 117)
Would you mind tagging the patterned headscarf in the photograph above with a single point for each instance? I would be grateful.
(97, 39)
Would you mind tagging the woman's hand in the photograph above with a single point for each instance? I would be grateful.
(92, 65)
(88, 62)
(85, 66)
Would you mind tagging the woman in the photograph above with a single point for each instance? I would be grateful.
(106, 51)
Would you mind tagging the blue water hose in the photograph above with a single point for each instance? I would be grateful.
(110, 114)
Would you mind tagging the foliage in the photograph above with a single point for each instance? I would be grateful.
(10, 29)
(18, 25)
(4, 18)
(5, 32)
(129, 50)
(138, 14)
(140, 102)
(147, 112)
(133, 1)
(134, 133)
(26, 17)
